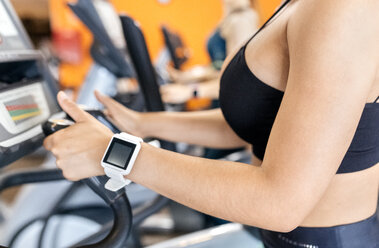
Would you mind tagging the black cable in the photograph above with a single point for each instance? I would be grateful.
(12, 179)
(56, 234)
(65, 211)
(149, 209)
(70, 191)
(122, 225)
(138, 217)
(22, 229)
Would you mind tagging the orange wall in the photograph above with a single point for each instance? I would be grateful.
(266, 8)
(193, 19)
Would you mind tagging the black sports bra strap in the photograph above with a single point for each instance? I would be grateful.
(377, 99)
(269, 20)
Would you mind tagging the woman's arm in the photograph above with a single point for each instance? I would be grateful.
(195, 74)
(329, 80)
(178, 93)
(205, 128)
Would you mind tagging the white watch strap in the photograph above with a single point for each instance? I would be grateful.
(116, 180)
(131, 137)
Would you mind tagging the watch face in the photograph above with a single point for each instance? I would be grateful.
(119, 153)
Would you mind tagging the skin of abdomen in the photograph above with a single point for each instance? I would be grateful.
(350, 198)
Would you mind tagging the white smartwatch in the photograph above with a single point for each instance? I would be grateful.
(119, 158)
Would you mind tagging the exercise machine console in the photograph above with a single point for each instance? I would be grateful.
(27, 102)
(27, 93)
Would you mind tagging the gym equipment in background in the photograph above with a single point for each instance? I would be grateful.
(175, 46)
(110, 61)
(25, 90)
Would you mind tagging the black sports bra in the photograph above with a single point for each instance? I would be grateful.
(250, 107)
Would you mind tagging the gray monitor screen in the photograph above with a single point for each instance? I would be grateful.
(12, 34)
(119, 153)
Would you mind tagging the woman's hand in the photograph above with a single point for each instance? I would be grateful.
(123, 118)
(174, 74)
(79, 149)
(176, 93)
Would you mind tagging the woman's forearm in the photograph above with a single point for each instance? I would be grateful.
(205, 128)
(196, 74)
(209, 89)
(229, 190)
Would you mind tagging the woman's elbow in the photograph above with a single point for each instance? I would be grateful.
(280, 218)
(287, 224)
(282, 225)
(289, 216)
(282, 222)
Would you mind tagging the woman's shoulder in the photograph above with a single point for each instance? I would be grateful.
(339, 20)
(335, 37)
(334, 13)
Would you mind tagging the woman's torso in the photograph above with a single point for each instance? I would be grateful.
(350, 197)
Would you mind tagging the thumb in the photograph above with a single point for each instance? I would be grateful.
(71, 108)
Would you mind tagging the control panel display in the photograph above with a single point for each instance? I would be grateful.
(6, 25)
(22, 108)
(12, 36)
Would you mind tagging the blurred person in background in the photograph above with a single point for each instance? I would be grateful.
(240, 22)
